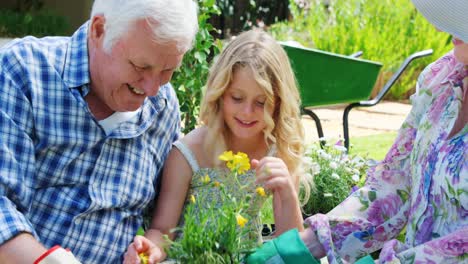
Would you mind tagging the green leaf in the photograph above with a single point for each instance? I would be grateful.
(450, 188)
(183, 108)
(200, 56)
(404, 195)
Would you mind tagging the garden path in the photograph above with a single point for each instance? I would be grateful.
(363, 121)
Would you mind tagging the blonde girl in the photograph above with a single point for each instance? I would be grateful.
(251, 104)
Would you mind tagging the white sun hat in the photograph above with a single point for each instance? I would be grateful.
(450, 16)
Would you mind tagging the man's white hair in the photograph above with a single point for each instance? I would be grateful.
(170, 20)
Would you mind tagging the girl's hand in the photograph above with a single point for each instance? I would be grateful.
(274, 175)
(140, 245)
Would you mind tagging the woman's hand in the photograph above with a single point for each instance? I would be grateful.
(140, 245)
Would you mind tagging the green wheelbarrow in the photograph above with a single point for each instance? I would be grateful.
(326, 78)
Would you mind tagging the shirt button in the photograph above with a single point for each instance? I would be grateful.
(453, 200)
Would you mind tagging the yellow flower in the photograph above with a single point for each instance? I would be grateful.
(192, 198)
(206, 179)
(231, 166)
(241, 162)
(143, 258)
(241, 221)
(216, 184)
(226, 156)
(260, 191)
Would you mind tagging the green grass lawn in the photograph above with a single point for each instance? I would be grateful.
(373, 147)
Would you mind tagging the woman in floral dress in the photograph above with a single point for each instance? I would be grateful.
(422, 184)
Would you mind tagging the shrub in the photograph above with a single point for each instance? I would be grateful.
(236, 15)
(28, 5)
(39, 24)
(336, 174)
(190, 79)
(219, 222)
(385, 30)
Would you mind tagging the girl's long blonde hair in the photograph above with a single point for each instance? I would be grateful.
(272, 71)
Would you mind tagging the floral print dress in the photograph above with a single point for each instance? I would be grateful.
(421, 185)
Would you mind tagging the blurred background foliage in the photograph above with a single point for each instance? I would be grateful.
(386, 31)
(29, 17)
(37, 23)
(238, 15)
(190, 78)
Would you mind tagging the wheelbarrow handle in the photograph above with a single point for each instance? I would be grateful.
(382, 92)
(395, 77)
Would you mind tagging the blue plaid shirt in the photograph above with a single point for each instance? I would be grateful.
(62, 178)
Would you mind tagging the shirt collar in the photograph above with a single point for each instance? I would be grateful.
(76, 66)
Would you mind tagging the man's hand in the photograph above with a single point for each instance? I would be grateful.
(141, 245)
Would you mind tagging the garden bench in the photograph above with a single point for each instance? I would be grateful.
(326, 78)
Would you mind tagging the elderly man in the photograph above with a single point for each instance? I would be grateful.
(86, 123)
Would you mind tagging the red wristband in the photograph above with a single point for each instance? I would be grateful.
(47, 253)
